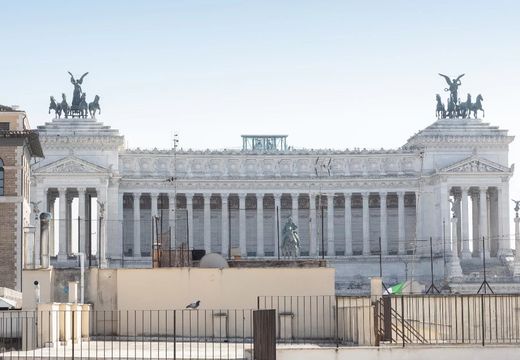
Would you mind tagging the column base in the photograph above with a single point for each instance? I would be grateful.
(504, 252)
(466, 255)
(488, 255)
(62, 258)
(454, 269)
(516, 268)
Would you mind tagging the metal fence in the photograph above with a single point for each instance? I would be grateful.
(329, 319)
(126, 334)
(449, 319)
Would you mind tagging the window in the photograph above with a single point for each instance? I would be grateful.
(1, 177)
(4, 126)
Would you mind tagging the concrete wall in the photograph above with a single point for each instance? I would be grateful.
(395, 353)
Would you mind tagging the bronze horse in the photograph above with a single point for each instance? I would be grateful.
(94, 106)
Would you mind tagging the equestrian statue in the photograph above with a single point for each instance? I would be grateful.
(457, 108)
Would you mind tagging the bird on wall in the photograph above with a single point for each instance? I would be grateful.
(193, 305)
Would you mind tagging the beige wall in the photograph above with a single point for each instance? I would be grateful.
(174, 288)
(232, 288)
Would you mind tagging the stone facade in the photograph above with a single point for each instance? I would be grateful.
(17, 146)
(231, 201)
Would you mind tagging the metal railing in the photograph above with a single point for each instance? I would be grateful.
(329, 319)
(449, 319)
(126, 334)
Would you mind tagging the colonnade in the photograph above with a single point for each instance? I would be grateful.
(483, 212)
(299, 206)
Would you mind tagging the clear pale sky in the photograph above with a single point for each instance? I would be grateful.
(338, 74)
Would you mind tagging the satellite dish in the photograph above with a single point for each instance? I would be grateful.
(213, 261)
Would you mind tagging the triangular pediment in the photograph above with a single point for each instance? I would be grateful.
(475, 164)
(71, 165)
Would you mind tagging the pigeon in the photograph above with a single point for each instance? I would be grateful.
(193, 305)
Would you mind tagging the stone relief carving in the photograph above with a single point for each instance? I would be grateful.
(475, 166)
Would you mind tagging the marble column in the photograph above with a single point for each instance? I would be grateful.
(155, 222)
(483, 220)
(189, 210)
(172, 216)
(465, 223)
(62, 241)
(68, 217)
(330, 225)
(260, 252)
(348, 224)
(137, 225)
(475, 218)
(102, 226)
(312, 225)
(207, 223)
(52, 234)
(516, 268)
(454, 269)
(418, 222)
(366, 223)
(120, 223)
(504, 246)
(277, 225)
(242, 224)
(44, 208)
(294, 208)
(401, 246)
(225, 224)
(82, 243)
(384, 222)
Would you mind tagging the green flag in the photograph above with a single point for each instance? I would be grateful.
(397, 289)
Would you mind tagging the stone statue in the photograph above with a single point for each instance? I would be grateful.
(291, 240)
(517, 206)
(94, 106)
(453, 87)
(454, 204)
(76, 97)
(101, 213)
